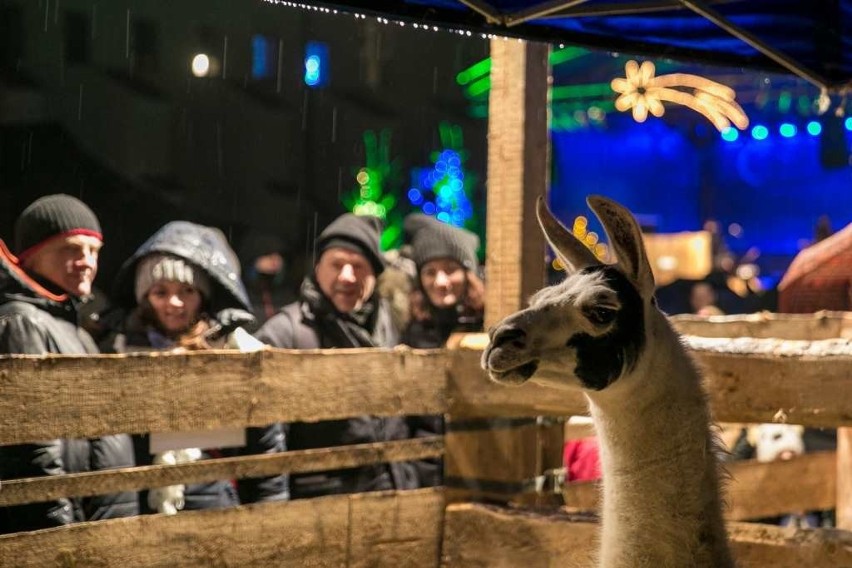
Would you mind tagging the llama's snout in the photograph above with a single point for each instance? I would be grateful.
(507, 358)
(503, 336)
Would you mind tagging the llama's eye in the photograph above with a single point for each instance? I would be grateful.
(601, 315)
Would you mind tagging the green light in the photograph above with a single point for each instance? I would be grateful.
(581, 91)
(784, 102)
(478, 111)
(479, 87)
(475, 71)
(566, 54)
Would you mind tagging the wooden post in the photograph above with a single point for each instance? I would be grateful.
(499, 459)
(844, 478)
(518, 172)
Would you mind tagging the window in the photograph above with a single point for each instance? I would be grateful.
(264, 57)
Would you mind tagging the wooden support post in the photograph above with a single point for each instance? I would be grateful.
(844, 478)
(518, 168)
(499, 459)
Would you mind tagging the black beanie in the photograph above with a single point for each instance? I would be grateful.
(51, 216)
(358, 233)
(433, 239)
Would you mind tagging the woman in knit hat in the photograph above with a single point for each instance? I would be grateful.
(181, 290)
(447, 297)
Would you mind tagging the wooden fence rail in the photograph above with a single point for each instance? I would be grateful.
(756, 380)
(802, 380)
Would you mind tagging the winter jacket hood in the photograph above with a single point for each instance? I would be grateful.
(205, 247)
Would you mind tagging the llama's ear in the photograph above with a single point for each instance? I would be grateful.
(625, 238)
(573, 254)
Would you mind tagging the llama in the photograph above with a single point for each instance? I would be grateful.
(600, 331)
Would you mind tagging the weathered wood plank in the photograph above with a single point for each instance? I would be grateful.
(820, 325)
(804, 483)
(796, 385)
(346, 530)
(400, 532)
(479, 536)
(32, 489)
(471, 393)
(756, 490)
(844, 478)
(49, 397)
(518, 156)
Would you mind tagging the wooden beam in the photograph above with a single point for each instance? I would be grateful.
(475, 535)
(820, 325)
(758, 380)
(518, 158)
(33, 489)
(756, 490)
(804, 483)
(844, 478)
(368, 529)
(471, 393)
(76, 397)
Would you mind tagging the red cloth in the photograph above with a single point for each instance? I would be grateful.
(580, 458)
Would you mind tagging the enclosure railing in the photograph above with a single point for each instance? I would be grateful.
(803, 379)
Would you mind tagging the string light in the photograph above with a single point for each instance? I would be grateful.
(588, 238)
(444, 190)
(644, 93)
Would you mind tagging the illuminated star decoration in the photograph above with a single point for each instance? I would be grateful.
(644, 93)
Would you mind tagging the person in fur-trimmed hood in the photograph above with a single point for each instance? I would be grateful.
(57, 241)
(181, 290)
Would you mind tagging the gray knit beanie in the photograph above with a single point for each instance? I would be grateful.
(433, 239)
(358, 233)
(162, 267)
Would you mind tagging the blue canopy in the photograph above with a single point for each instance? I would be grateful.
(810, 38)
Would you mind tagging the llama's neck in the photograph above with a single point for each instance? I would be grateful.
(661, 504)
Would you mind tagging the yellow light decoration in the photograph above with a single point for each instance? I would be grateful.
(642, 92)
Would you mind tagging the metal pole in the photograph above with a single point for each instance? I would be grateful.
(782, 59)
(492, 16)
(540, 10)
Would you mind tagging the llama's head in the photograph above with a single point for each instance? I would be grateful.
(589, 330)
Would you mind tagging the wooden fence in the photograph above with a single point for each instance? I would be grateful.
(804, 380)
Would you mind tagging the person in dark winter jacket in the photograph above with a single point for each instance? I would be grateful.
(447, 297)
(338, 307)
(181, 290)
(57, 240)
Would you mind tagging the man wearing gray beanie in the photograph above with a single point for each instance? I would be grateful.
(57, 241)
(339, 307)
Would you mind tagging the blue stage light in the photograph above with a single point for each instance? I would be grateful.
(759, 132)
(787, 130)
(848, 123)
(730, 134)
(814, 128)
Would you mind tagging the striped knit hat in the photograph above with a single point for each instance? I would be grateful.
(53, 216)
(167, 268)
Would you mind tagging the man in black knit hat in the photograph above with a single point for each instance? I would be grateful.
(339, 307)
(57, 241)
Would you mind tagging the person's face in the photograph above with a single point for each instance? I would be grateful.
(702, 296)
(176, 305)
(443, 280)
(69, 262)
(346, 278)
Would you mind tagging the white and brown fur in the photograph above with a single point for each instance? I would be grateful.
(600, 331)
